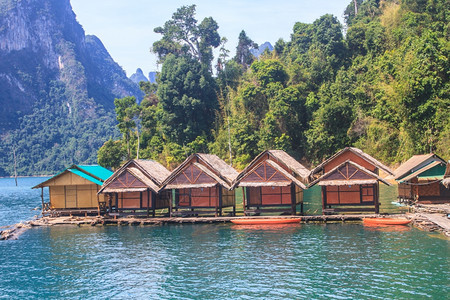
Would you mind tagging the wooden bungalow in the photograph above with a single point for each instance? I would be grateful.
(202, 184)
(420, 180)
(349, 187)
(273, 182)
(136, 188)
(350, 181)
(74, 190)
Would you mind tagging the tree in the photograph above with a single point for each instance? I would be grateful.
(127, 111)
(182, 36)
(243, 55)
(188, 99)
(111, 154)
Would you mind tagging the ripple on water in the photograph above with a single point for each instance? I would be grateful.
(337, 261)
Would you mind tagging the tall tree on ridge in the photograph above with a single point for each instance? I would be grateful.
(182, 36)
(186, 89)
(243, 55)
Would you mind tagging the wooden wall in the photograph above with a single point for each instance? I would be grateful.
(205, 197)
(74, 196)
(350, 195)
(273, 195)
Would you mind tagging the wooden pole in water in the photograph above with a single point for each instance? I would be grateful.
(15, 165)
(42, 198)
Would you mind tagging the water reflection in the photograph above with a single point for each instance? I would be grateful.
(387, 228)
(221, 261)
(282, 228)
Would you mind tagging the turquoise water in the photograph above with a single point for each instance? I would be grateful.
(220, 261)
(20, 203)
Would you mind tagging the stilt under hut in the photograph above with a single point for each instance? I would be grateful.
(420, 180)
(446, 180)
(74, 190)
(135, 188)
(273, 182)
(350, 181)
(202, 184)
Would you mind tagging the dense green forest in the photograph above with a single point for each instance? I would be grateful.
(379, 83)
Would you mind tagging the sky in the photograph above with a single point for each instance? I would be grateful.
(126, 26)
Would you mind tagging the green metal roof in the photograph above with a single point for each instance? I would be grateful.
(436, 171)
(93, 173)
(85, 176)
(433, 171)
(97, 171)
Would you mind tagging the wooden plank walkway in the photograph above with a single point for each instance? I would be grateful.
(430, 222)
(439, 220)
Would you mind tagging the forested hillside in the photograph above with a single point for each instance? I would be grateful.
(57, 88)
(378, 82)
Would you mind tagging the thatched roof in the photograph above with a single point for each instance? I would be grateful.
(290, 162)
(276, 159)
(322, 180)
(357, 152)
(211, 165)
(149, 172)
(346, 182)
(227, 172)
(414, 163)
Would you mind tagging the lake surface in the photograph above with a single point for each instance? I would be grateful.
(216, 261)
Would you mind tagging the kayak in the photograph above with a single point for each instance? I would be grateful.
(386, 221)
(265, 221)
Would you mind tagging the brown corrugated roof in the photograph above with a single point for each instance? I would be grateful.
(358, 152)
(414, 162)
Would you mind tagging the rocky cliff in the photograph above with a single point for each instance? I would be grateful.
(54, 78)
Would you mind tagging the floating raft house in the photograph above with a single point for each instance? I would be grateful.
(74, 190)
(136, 187)
(202, 184)
(273, 182)
(350, 181)
(421, 179)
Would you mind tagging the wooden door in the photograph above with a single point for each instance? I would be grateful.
(71, 196)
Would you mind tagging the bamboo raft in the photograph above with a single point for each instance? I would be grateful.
(425, 222)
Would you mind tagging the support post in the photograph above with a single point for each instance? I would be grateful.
(170, 203)
(220, 199)
(244, 192)
(293, 200)
(148, 203)
(377, 202)
(324, 198)
(42, 197)
(153, 203)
